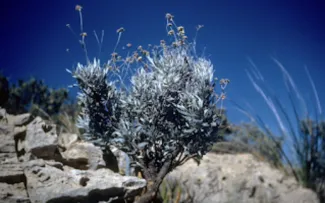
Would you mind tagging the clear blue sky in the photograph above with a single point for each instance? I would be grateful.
(34, 38)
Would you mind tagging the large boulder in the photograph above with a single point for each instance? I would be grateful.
(39, 165)
(236, 178)
(80, 154)
(41, 139)
(55, 184)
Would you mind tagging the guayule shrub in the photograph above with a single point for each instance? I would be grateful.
(169, 109)
(169, 114)
(99, 102)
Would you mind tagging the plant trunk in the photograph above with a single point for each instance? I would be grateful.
(150, 195)
(154, 181)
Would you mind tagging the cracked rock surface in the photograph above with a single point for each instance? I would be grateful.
(37, 165)
(240, 178)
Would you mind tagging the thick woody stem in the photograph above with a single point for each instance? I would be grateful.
(155, 181)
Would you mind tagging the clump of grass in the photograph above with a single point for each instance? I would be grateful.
(173, 191)
(304, 132)
(170, 193)
(67, 118)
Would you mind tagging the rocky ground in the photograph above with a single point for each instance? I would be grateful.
(37, 164)
(237, 178)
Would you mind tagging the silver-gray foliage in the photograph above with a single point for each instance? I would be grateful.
(170, 107)
(99, 102)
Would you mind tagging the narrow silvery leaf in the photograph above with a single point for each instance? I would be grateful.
(142, 145)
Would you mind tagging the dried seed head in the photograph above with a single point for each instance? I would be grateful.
(169, 24)
(171, 32)
(140, 48)
(130, 60)
(139, 58)
(145, 52)
(78, 8)
(184, 37)
(169, 16)
(199, 27)
(129, 45)
(120, 30)
(114, 55)
(181, 42)
(162, 42)
(224, 81)
(223, 97)
(135, 54)
(174, 44)
(83, 34)
(180, 29)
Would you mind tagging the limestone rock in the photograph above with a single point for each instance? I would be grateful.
(34, 159)
(83, 155)
(13, 193)
(11, 172)
(14, 120)
(41, 139)
(3, 116)
(12, 177)
(10, 169)
(299, 195)
(237, 178)
(46, 183)
(65, 169)
(22, 119)
(67, 139)
(7, 143)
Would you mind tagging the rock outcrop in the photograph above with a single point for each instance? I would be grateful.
(237, 178)
(53, 182)
(37, 165)
(12, 177)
